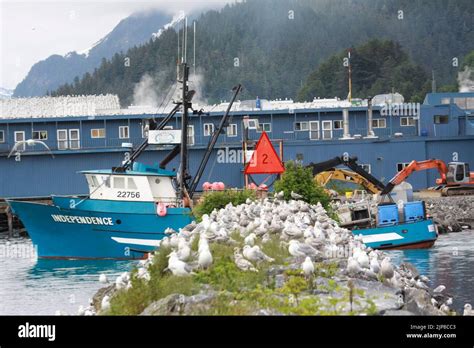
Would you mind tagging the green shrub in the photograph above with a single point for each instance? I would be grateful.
(300, 180)
(219, 199)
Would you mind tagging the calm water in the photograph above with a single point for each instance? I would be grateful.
(41, 287)
(450, 262)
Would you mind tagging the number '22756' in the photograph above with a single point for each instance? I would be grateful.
(128, 194)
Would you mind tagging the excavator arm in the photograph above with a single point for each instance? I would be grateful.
(417, 166)
(347, 176)
(352, 164)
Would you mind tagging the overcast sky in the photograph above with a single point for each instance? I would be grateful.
(35, 29)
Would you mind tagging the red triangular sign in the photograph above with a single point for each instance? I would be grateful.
(264, 159)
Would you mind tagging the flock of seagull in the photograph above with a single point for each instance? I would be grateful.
(307, 232)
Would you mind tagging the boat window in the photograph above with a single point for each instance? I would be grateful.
(131, 184)
(2, 136)
(119, 182)
(106, 181)
(95, 182)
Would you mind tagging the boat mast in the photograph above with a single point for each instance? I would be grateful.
(183, 173)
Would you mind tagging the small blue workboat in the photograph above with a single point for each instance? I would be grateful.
(394, 228)
(128, 208)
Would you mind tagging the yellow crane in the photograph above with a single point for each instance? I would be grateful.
(324, 177)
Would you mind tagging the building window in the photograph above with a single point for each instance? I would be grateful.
(208, 129)
(62, 139)
(98, 133)
(251, 123)
(441, 119)
(301, 126)
(327, 129)
(366, 167)
(407, 121)
(190, 135)
(123, 132)
(232, 130)
(267, 127)
(20, 137)
(2, 136)
(40, 135)
(401, 166)
(379, 123)
(337, 124)
(445, 101)
(314, 130)
(74, 139)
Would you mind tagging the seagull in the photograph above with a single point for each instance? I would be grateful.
(363, 259)
(295, 196)
(255, 254)
(386, 268)
(280, 195)
(301, 249)
(105, 304)
(184, 251)
(375, 265)
(250, 239)
(353, 266)
(178, 267)
(29, 142)
(103, 278)
(242, 263)
(468, 310)
(439, 289)
(308, 267)
(205, 258)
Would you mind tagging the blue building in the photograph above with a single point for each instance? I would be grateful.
(93, 137)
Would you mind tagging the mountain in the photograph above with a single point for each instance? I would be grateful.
(49, 74)
(5, 93)
(272, 46)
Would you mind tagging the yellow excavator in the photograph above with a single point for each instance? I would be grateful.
(326, 176)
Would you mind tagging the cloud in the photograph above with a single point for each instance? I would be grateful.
(33, 30)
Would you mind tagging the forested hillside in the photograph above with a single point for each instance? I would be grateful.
(272, 46)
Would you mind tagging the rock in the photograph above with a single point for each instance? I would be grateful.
(384, 297)
(100, 294)
(179, 304)
(418, 301)
(408, 267)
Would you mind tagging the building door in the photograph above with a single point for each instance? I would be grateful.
(327, 129)
(62, 139)
(20, 137)
(74, 141)
(313, 130)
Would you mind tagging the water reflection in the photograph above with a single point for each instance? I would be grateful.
(450, 262)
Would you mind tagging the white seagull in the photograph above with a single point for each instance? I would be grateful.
(308, 267)
(29, 142)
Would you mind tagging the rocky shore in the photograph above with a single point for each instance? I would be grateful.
(269, 258)
(451, 214)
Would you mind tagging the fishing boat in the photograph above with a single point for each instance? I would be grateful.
(129, 208)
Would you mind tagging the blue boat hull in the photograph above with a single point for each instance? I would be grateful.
(94, 229)
(411, 235)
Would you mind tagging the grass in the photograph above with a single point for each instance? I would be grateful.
(242, 293)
